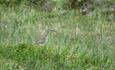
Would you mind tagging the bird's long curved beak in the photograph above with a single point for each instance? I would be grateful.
(53, 30)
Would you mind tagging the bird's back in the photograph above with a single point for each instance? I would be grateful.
(43, 38)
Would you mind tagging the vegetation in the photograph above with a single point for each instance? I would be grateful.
(82, 42)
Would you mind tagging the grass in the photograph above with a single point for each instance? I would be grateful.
(82, 42)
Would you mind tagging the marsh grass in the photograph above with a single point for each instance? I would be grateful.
(91, 48)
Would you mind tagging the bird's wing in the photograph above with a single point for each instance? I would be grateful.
(41, 40)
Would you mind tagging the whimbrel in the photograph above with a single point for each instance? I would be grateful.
(44, 37)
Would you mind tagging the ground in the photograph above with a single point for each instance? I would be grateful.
(81, 42)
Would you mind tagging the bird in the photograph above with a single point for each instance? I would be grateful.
(43, 39)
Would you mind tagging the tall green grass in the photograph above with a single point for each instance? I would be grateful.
(81, 42)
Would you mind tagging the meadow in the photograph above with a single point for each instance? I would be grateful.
(81, 42)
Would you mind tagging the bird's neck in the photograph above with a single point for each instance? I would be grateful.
(46, 33)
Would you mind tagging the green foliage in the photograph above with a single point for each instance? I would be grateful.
(33, 57)
(79, 4)
(10, 2)
(46, 5)
(81, 42)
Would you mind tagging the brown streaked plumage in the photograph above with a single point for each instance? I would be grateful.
(44, 37)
